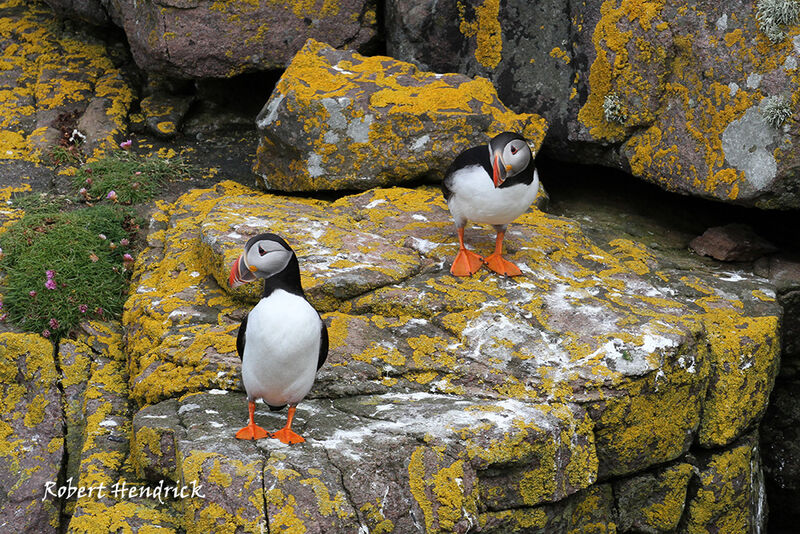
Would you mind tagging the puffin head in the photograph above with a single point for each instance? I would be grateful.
(264, 255)
(510, 156)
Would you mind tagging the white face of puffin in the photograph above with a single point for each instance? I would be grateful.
(261, 259)
(510, 156)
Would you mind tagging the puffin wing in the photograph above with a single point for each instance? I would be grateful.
(477, 155)
(323, 345)
(240, 337)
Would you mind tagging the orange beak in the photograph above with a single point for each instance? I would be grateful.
(239, 273)
(498, 170)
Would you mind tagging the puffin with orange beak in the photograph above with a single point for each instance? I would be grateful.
(493, 184)
(282, 341)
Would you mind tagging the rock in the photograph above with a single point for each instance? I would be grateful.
(780, 440)
(732, 242)
(653, 502)
(164, 113)
(780, 447)
(192, 39)
(32, 433)
(338, 120)
(729, 495)
(591, 510)
(57, 74)
(692, 99)
(630, 358)
(528, 61)
(403, 468)
(91, 11)
(98, 425)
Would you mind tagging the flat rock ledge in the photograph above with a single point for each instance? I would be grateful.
(602, 376)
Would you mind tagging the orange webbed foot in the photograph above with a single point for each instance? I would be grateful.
(500, 265)
(466, 263)
(252, 431)
(288, 436)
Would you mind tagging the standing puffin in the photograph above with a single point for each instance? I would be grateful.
(282, 341)
(491, 184)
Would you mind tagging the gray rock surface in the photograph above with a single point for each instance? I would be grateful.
(685, 96)
(339, 120)
(193, 39)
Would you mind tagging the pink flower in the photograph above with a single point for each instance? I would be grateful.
(137, 173)
(112, 195)
(45, 333)
(50, 284)
(125, 145)
(54, 324)
(50, 273)
(89, 181)
(124, 242)
(32, 293)
(102, 236)
(99, 311)
(3, 317)
(83, 308)
(127, 257)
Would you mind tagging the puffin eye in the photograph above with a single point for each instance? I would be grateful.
(513, 150)
(261, 250)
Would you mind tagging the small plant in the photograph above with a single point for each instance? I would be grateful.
(41, 202)
(127, 178)
(774, 15)
(65, 267)
(61, 155)
(613, 109)
(775, 110)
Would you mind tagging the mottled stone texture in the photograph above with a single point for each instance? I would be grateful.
(445, 404)
(780, 430)
(340, 120)
(55, 81)
(31, 433)
(195, 39)
(673, 92)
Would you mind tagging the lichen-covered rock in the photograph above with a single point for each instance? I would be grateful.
(695, 98)
(653, 502)
(98, 422)
(780, 429)
(339, 120)
(409, 459)
(193, 39)
(603, 360)
(522, 47)
(31, 433)
(51, 73)
(729, 496)
(164, 113)
(590, 510)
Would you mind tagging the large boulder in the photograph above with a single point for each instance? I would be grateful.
(697, 99)
(443, 397)
(339, 120)
(194, 39)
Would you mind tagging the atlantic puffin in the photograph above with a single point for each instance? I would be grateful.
(493, 184)
(282, 341)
